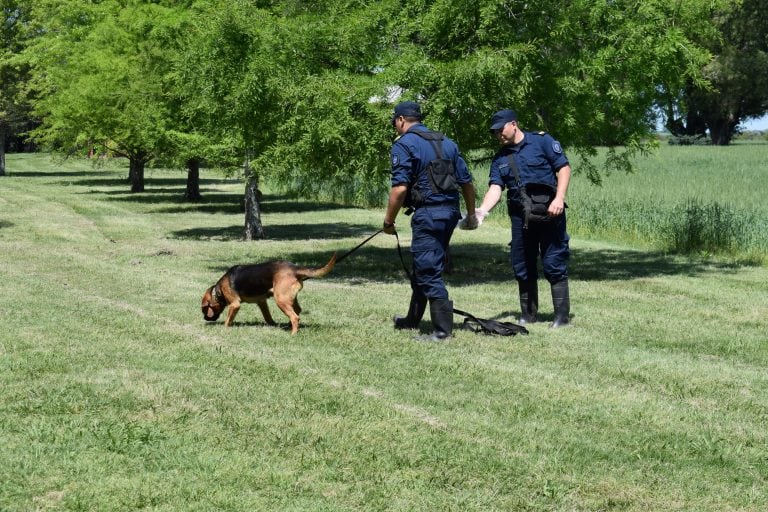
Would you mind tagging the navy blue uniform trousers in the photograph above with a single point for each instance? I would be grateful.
(431, 228)
(548, 239)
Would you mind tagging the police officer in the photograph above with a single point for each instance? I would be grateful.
(527, 158)
(427, 174)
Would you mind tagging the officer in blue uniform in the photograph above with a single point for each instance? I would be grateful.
(427, 174)
(532, 163)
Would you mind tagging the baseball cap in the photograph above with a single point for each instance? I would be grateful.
(407, 109)
(502, 117)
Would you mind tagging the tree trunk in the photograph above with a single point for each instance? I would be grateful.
(193, 180)
(253, 227)
(2, 149)
(721, 131)
(136, 173)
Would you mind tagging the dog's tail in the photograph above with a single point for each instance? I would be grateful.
(306, 273)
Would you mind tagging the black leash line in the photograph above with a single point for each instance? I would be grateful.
(399, 251)
(402, 261)
(358, 246)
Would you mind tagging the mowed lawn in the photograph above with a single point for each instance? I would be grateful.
(116, 395)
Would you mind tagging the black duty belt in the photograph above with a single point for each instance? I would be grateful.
(411, 209)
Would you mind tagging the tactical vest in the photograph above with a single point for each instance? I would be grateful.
(441, 172)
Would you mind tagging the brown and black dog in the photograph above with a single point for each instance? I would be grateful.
(257, 283)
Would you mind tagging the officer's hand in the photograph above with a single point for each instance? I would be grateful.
(556, 207)
(481, 215)
(389, 228)
(469, 222)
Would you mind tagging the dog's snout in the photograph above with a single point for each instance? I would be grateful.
(209, 314)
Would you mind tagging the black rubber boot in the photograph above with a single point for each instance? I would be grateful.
(414, 315)
(441, 311)
(529, 301)
(562, 303)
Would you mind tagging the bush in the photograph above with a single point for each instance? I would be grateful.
(713, 228)
(688, 140)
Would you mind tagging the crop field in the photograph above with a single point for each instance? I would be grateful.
(116, 395)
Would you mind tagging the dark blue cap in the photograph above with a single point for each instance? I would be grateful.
(501, 118)
(407, 109)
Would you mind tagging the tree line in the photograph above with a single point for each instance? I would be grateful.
(302, 91)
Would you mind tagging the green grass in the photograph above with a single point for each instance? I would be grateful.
(115, 395)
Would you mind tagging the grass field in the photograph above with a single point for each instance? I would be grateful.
(115, 395)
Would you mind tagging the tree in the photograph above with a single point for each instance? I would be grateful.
(586, 71)
(100, 78)
(283, 82)
(14, 111)
(225, 78)
(737, 77)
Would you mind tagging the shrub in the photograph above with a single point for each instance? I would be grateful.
(714, 227)
(688, 140)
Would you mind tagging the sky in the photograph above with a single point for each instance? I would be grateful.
(756, 124)
(760, 123)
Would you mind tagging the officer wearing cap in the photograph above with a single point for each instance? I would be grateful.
(536, 158)
(427, 174)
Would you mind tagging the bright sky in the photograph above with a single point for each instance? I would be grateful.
(756, 124)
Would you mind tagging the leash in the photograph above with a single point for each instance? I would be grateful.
(487, 326)
(399, 251)
(402, 261)
(360, 245)
(471, 322)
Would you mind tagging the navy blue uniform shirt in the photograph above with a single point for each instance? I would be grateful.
(538, 158)
(411, 155)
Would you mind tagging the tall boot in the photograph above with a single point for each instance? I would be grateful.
(441, 311)
(529, 301)
(415, 313)
(562, 303)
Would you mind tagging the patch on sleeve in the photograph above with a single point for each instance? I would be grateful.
(556, 147)
(395, 160)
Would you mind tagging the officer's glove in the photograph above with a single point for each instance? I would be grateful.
(389, 228)
(469, 222)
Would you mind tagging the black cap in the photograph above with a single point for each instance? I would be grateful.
(501, 118)
(407, 109)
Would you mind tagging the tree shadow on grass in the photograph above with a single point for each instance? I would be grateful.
(476, 263)
(622, 264)
(280, 232)
(58, 174)
(210, 202)
(279, 204)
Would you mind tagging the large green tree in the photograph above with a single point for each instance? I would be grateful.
(290, 82)
(225, 78)
(737, 77)
(587, 71)
(14, 111)
(102, 78)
